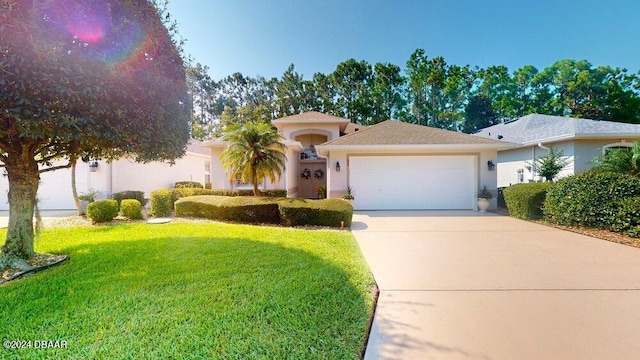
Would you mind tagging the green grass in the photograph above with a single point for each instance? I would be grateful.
(192, 291)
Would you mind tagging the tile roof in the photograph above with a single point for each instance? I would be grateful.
(535, 128)
(311, 117)
(393, 132)
(351, 128)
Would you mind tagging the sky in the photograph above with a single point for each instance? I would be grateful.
(263, 37)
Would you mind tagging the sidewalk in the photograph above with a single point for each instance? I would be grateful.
(46, 215)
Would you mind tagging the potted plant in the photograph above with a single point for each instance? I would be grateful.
(484, 197)
(349, 194)
(86, 198)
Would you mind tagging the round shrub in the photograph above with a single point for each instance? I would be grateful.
(188, 185)
(130, 194)
(131, 208)
(590, 199)
(162, 202)
(628, 215)
(102, 210)
(525, 201)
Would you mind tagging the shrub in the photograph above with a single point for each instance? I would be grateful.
(162, 202)
(525, 201)
(188, 185)
(628, 215)
(130, 194)
(207, 186)
(257, 210)
(131, 208)
(590, 199)
(325, 212)
(102, 210)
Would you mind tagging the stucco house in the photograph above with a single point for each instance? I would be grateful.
(106, 178)
(390, 165)
(580, 139)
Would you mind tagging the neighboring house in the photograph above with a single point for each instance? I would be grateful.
(390, 165)
(580, 139)
(107, 178)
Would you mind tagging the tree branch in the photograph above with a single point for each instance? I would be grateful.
(53, 168)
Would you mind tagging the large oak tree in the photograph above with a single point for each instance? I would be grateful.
(83, 78)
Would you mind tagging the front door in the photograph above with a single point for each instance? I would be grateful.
(312, 183)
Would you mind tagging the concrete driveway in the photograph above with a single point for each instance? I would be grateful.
(465, 285)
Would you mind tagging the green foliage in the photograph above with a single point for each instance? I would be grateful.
(131, 209)
(620, 160)
(628, 216)
(188, 184)
(265, 210)
(551, 164)
(526, 201)
(242, 209)
(140, 288)
(162, 202)
(129, 194)
(325, 212)
(255, 153)
(484, 193)
(590, 199)
(102, 210)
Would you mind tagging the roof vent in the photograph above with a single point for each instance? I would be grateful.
(500, 137)
(356, 129)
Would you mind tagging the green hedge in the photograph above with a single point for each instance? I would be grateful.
(131, 208)
(257, 210)
(267, 210)
(162, 202)
(627, 219)
(129, 194)
(102, 210)
(591, 199)
(325, 212)
(525, 201)
(187, 184)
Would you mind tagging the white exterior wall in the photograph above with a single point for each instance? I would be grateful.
(586, 150)
(129, 175)
(219, 179)
(510, 161)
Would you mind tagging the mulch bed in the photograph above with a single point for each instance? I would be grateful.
(39, 262)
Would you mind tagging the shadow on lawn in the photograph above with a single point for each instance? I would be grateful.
(205, 297)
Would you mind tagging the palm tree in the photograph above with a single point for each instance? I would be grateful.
(255, 152)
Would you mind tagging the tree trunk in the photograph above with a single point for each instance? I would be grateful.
(23, 187)
(74, 190)
(254, 180)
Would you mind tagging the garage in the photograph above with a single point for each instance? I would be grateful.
(413, 182)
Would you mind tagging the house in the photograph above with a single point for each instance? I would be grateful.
(124, 174)
(390, 165)
(581, 140)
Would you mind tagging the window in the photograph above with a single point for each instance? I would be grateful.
(616, 146)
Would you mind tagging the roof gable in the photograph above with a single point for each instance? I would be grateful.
(310, 117)
(535, 128)
(393, 132)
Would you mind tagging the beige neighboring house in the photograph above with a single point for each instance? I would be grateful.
(105, 178)
(390, 165)
(580, 139)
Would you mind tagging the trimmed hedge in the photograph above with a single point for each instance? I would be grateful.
(628, 217)
(131, 208)
(525, 201)
(325, 212)
(267, 210)
(188, 185)
(161, 202)
(102, 210)
(129, 194)
(175, 194)
(591, 199)
(257, 210)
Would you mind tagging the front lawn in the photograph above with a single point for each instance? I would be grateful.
(192, 291)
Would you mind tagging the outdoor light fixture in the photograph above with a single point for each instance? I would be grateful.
(337, 166)
(491, 165)
(93, 166)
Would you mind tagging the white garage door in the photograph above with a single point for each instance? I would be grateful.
(412, 182)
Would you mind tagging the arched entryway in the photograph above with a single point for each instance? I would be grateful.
(312, 181)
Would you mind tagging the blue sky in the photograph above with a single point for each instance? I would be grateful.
(264, 37)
